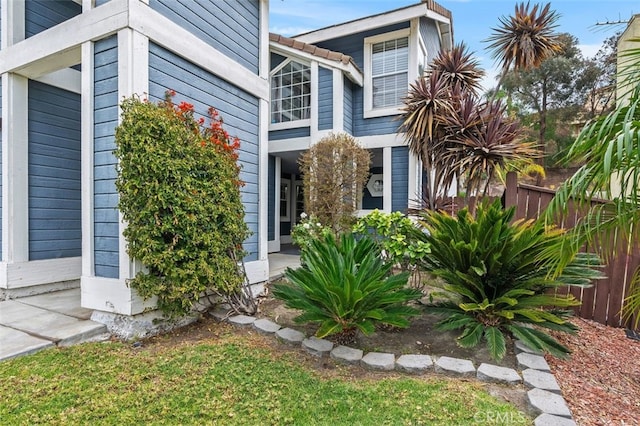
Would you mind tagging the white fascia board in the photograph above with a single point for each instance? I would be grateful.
(353, 73)
(286, 145)
(381, 141)
(60, 45)
(369, 23)
(171, 36)
(66, 79)
(264, 39)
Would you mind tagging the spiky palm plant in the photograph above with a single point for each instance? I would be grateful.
(458, 68)
(484, 139)
(345, 286)
(425, 109)
(609, 149)
(497, 278)
(525, 39)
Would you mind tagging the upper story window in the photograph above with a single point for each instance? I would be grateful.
(291, 93)
(387, 73)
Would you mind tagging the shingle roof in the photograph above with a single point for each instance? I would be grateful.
(313, 50)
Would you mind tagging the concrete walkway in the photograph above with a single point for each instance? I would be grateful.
(32, 323)
(29, 324)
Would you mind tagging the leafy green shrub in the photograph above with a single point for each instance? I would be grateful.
(498, 278)
(178, 183)
(345, 286)
(307, 230)
(395, 233)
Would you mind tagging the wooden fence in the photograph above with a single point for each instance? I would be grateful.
(603, 301)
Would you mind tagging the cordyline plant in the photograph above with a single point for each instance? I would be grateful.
(525, 39)
(454, 133)
(179, 189)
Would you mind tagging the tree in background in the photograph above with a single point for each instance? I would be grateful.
(556, 84)
(598, 79)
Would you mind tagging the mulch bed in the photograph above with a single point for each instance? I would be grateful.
(601, 379)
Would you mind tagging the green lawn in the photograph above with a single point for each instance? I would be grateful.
(226, 379)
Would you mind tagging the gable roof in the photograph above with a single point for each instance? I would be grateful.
(427, 8)
(288, 46)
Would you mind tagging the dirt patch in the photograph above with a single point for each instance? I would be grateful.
(420, 338)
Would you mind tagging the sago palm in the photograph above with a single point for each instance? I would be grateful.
(345, 286)
(497, 278)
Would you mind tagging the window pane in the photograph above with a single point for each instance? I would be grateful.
(290, 93)
(389, 71)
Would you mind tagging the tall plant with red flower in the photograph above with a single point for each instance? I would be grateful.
(179, 187)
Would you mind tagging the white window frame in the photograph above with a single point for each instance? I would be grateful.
(297, 123)
(285, 214)
(369, 112)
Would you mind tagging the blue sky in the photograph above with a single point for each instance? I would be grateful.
(472, 19)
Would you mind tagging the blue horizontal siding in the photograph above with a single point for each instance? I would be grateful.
(271, 205)
(239, 110)
(348, 106)
(353, 45)
(55, 222)
(298, 132)
(105, 116)
(40, 15)
(325, 98)
(431, 38)
(230, 26)
(399, 178)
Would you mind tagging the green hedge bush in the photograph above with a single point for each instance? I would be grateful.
(179, 190)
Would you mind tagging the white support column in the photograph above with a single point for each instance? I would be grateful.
(12, 25)
(314, 102)
(263, 187)
(15, 189)
(133, 78)
(87, 108)
(386, 178)
(276, 216)
(413, 185)
(338, 100)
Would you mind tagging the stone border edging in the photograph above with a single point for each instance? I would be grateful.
(544, 396)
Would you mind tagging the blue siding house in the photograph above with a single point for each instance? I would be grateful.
(65, 66)
(349, 77)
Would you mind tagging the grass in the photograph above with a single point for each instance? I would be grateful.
(225, 379)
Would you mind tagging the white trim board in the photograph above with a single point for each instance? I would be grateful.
(371, 22)
(112, 295)
(37, 272)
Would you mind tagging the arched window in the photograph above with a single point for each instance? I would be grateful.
(291, 93)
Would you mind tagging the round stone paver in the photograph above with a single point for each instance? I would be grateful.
(346, 354)
(379, 361)
(415, 364)
(537, 362)
(266, 326)
(317, 347)
(541, 380)
(291, 336)
(455, 366)
(522, 347)
(497, 374)
(242, 320)
(548, 402)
